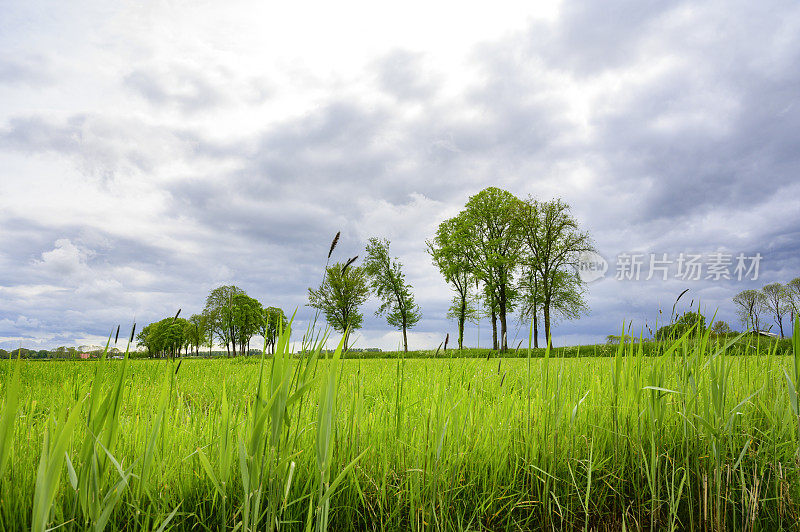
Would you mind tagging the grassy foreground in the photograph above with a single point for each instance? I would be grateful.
(691, 439)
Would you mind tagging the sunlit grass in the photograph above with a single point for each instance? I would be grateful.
(691, 438)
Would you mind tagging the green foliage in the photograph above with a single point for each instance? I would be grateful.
(273, 322)
(165, 337)
(489, 237)
(339, 297)
(553, 242)
(221, 315)
(447, 252)
(721, 328)
(388, 283)
(694, 321)
(9, 413)
(247, 319)
(197, 331)
(673, 434)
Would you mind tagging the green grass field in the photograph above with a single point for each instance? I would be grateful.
(690, 439)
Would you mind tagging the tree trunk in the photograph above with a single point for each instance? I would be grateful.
(405, 339)
(535, 329)
(503, 326)
(780, 326)
(461, 334)
(548, 339)
(494, 330)
(461, 319)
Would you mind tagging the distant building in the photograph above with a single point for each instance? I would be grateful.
(90, 348)
(767, 334)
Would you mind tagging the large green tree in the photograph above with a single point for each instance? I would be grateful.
(164, 338)
(447, 252)
(342, 292)
(490, 239)
(389, 285)
(553, 242)
(220, 311)
(248, 316)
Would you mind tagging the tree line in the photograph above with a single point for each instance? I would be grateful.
(230, 318)
(773, 302)
(499, 254)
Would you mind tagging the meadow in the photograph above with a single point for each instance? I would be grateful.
(689, 437)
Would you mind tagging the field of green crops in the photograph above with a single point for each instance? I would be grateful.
(690, 439)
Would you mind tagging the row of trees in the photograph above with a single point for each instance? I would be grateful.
(774, 302)
(230, 318)
(500, 253)
(345, 287)
(503, 252)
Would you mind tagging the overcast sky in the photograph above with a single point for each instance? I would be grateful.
(151, 152)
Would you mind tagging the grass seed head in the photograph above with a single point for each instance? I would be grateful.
(333, 244)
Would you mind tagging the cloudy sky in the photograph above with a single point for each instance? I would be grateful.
(152, 151)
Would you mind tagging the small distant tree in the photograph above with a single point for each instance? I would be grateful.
(686, 321)
(273, 323)
(689, 320)
(749, 304)
(388, 283)
(720, 328)
(776, 302)
(197, 331)
(339, 297)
